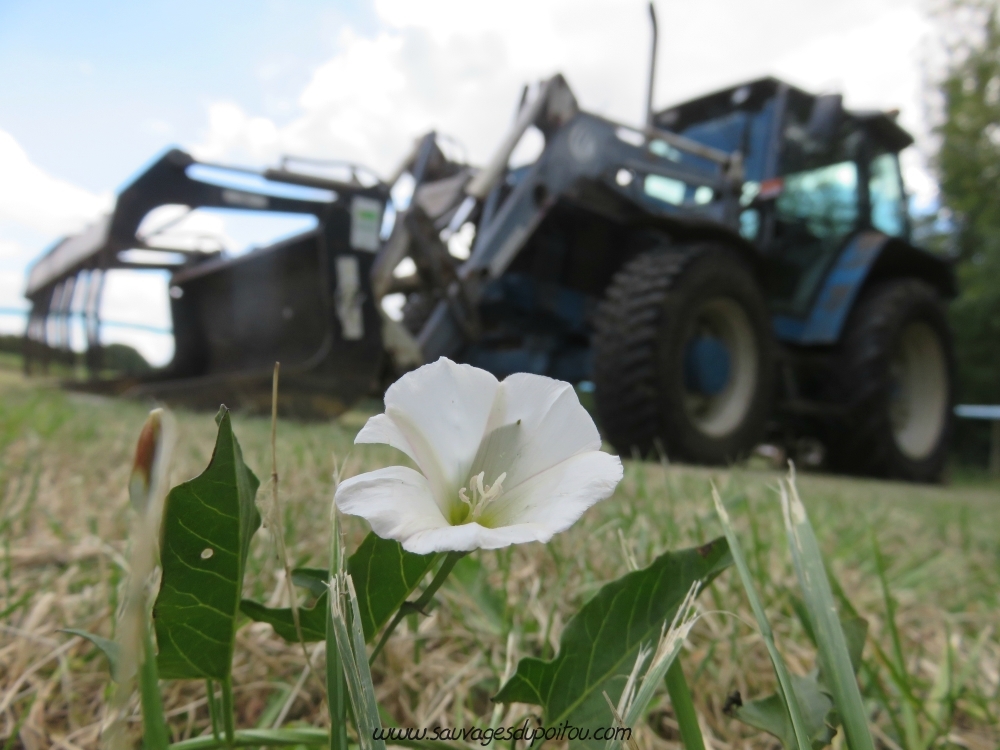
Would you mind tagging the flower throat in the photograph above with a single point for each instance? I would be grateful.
(482, 495)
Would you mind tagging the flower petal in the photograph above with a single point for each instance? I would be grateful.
(470, 536)
(381, 429)
(555, 498)
(536, 423)
(396, 501)
(439, 414)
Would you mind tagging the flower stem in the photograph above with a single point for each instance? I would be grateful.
(154, 727)
(228, 723)
(419, 604)
(213, 707)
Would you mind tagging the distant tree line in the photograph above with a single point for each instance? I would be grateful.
(968, 166)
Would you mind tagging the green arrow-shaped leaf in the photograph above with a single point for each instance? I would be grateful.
(384, 576)
(207, 526)
(599, 645)
(771, 715)
(109, 648)
(815, 700)
(312, 619)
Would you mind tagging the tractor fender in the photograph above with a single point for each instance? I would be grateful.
(678, 232)
(870, 257)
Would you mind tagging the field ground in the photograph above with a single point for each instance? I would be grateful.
(64, 465)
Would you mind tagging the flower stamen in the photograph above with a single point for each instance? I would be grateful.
(482, 495)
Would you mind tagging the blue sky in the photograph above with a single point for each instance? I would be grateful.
(92, 91)
(77, 78)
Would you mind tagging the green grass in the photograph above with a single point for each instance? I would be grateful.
(64, 465)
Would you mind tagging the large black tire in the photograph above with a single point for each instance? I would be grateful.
(643, 330)
(894, 377)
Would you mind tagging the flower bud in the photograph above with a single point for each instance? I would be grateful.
(147, 451)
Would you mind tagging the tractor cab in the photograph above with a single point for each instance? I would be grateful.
(815, 176)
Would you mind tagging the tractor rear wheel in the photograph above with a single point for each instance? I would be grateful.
(894, 376)
(684, 356)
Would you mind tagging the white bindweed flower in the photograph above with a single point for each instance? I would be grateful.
(500, 462)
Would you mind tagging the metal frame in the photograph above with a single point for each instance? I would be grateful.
(68, 281)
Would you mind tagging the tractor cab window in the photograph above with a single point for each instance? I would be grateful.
(821, 202)
(885, 191)
(816, 207)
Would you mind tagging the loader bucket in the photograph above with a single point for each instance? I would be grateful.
(305, 302)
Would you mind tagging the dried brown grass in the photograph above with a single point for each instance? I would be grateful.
(64, 462)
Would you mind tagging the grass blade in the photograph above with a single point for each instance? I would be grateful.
(786, 689)
(351, 647)
(665, 657)
(276, 522)
(336, 690)
(299, 737)
(358, 636)
(660, 668)
(834, 656)
(897, 667)
(680, 698)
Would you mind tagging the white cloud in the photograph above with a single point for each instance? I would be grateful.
(156, 348)
(34, 198)
(231, 130)
(877, 65)
(157, 127)
(178, 227)
(12, 321)
(11, 287)
(458, 67)
(138, 298)
(11, 251)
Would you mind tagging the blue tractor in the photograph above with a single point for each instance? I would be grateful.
(737, 269)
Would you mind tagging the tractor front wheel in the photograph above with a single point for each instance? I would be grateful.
(684, 356)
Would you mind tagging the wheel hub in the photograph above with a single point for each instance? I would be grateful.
(706, 365)
(719, 368)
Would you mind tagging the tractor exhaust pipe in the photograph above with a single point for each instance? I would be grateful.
(652, 69)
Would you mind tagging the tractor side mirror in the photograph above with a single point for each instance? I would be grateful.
(824, 120)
